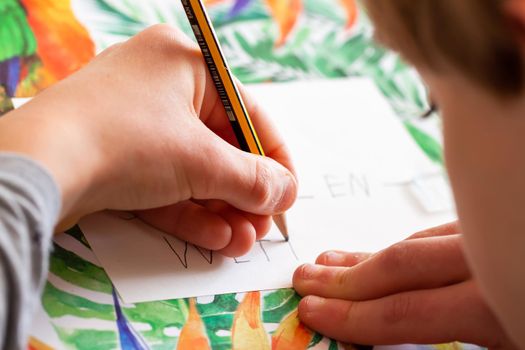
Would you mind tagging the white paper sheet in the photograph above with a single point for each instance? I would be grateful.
(350, 152)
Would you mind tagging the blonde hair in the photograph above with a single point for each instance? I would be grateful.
(473, 36)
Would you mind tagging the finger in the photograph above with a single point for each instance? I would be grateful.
(243, 234)
(191, 222)
(339, 258)
(452, 313)
(261, 223)
(450, 228)
(214, 116)
(407, 265)
(251, 183)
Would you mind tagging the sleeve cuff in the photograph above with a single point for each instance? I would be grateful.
(34, 179)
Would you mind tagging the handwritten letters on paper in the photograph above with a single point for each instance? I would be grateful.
(346, 179)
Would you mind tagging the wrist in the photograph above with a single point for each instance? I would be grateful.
(58, 144)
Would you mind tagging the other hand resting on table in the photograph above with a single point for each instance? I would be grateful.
(419, 291)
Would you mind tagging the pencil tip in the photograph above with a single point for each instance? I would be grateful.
(280, 222)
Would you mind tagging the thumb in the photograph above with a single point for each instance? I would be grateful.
(249, 182)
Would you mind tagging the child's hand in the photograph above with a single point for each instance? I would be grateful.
(417, 291)
(142, 127)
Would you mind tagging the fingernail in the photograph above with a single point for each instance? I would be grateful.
(288, 193)
(311, 305)
(308, 271)
(333, 258)
(309, 308)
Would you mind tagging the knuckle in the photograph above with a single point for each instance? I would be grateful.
(397, 309)
(394, 257)
(343, 278)
(262, 184)
(165, 39)
(162, 31)
(351, 314)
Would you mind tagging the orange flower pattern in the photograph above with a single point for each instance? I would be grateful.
(291, 334)
(193, 335)
(248, 332)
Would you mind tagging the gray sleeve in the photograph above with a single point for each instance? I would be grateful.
(29, 208)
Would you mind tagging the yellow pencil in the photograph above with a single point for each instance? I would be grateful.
(226, 88)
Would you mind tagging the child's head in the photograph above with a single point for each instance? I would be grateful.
(471, 55)
(475, 37)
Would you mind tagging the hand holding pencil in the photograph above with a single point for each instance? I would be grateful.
(227, 90)
(157, 140)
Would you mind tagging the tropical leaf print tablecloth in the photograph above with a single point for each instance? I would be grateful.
(43, 41)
